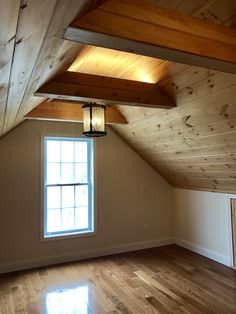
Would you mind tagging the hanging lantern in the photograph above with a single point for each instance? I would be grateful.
(94, 120)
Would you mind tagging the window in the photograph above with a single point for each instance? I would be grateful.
(68, 186)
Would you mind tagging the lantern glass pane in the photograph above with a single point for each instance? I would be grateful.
(98, 119)
(86, 117)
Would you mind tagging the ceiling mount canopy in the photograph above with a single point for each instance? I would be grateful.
(94, 120)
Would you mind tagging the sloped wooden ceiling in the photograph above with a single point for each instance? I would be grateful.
(192, 146)
(32, 51)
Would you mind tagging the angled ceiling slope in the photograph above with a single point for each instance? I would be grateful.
(32, 51)
(193, 145)
(139, 27)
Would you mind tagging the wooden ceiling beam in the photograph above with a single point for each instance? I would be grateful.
(82, 87)
(58, 110)
(142, 28)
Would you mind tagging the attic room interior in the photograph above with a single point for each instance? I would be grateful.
(118, 156)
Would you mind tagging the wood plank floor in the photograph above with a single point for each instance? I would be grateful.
(168, 279)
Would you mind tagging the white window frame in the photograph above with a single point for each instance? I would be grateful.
(230, 228)
(76, 233)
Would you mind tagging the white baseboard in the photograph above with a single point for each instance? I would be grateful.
(92, 253)
(80, 255)
(203, 251)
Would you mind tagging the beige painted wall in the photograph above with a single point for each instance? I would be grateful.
(202, 223)
(130, 194)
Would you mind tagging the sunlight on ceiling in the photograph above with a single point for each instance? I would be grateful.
(108, 62)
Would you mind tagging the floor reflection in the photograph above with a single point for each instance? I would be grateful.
(68, 301)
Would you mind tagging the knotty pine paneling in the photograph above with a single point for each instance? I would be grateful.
(196, 138)
(199, 135)
(33, 51)
(8, 25)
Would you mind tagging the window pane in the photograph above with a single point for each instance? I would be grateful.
(68, 196)
(81, 172)
(53, 173)
(67, 172)
(68, 219)
(81, 196)
(80, 151)
(67, 151)
(53, 220)
(67, 162)
(53, 197)
(81, 217)
(53, 151)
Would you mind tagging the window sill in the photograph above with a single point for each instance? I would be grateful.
(68, 236)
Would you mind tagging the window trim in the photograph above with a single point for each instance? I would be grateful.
(43, 209)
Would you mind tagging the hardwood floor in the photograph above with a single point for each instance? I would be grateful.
(168, 279)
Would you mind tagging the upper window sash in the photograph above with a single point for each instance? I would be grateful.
(75, 162)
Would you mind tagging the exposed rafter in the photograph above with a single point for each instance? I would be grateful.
(140, 27)
(59, 110)
(86, 88)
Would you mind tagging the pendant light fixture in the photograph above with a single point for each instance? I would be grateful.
(94, 120)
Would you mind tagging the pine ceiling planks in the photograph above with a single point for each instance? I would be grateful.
(127, 25)
(196, 131)
(33, 21)
(37, 51)
(102, 61)
(192, 146)
(200, 133)
(55, 53)
(8, 25)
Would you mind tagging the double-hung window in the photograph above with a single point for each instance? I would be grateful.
(68, 186)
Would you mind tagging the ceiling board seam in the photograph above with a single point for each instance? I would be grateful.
(35, 62)
(197, 138)
(186, 70)
(181, 158)
(203, 35)
(205, 95)
(12, 59)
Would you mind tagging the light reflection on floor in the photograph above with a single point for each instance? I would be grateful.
(68, 301)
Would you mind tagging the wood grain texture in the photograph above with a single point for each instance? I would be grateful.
(127, 26)
(34, 18)
(36, 53)
(198, 136)
(196, 139)
(194, 142)
(86, 88)
(8, 26)
(57, 110)
(55, 54)
(117, 64)
(164, 280)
